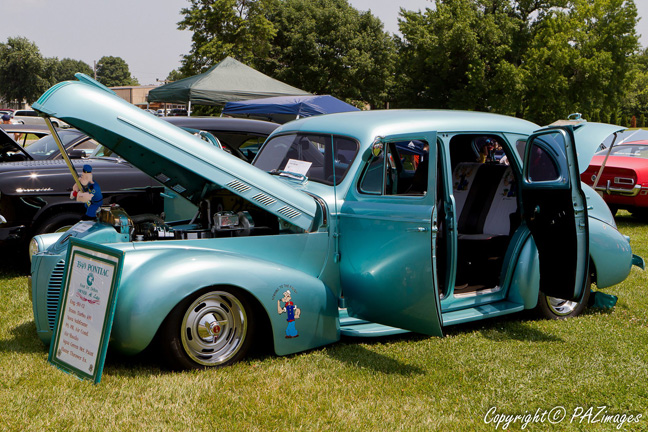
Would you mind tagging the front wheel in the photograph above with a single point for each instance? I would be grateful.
(555, 308)
(213, 328)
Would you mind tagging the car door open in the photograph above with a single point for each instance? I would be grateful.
(555, 210)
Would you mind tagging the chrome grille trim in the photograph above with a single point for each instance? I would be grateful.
(54, 292)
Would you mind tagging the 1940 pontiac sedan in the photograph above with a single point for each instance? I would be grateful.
(338, 228)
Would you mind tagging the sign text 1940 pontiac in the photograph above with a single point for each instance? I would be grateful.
(365, 223)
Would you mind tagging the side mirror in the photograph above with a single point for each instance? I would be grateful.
(375, 150)
(76, 154)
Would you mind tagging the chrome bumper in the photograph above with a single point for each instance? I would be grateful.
(619, 191)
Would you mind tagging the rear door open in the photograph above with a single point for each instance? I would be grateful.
(555, 210)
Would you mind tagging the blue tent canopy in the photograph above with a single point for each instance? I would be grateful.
(284, 108)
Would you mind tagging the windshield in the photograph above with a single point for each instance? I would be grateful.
(629, 149)
(312, 156)
(46, 146)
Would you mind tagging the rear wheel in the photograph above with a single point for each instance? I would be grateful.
(555, 308)
(212, 328)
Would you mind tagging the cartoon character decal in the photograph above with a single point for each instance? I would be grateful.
(510, 186)
(463, 177)
(292, 313)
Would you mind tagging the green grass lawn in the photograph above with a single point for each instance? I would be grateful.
(512, 366)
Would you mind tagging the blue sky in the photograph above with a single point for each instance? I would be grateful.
(144, 32)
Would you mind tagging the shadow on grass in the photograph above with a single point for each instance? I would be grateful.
(23, 340)
(357, 356)
(625, 219)
(509, 327)
(13, 264)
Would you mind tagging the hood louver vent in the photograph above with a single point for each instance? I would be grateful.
(162, 178)
(264, 199)
(238, 186)
(179, 188)
(289, 212)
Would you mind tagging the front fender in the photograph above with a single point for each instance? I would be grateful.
(154, 281)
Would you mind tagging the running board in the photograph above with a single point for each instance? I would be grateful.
(481, 312)
(357, 327)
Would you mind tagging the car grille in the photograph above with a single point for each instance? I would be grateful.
(54, 292)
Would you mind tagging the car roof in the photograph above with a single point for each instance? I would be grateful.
(39, 129)
(224, 124)
(365, 125)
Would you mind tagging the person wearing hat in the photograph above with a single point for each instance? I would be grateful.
(90, 195)
(6, 119)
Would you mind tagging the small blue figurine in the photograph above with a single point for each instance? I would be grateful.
(90, 195)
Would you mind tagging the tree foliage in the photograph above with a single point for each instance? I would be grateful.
(328, 47)
(113, 72)
(22, 71)
(221, 28)
(540, 59)
(68, 67)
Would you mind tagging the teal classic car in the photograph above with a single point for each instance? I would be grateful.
(336, 230)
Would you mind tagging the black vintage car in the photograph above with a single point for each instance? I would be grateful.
(35, 196)
(77, 144)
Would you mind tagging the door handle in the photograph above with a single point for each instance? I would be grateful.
(418, 229)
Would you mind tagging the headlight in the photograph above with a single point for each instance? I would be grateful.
(33, 248)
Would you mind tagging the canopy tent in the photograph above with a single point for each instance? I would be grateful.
(285, 108)
(229, 80)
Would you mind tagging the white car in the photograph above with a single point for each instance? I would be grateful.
(31, 117)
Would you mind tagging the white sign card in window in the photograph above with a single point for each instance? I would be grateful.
(296, 167)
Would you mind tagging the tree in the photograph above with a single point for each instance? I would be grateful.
(635, 101)
(113, 72)
(463, 54)
(174, 75)
(328, 47)
(68, 67)
(221, 28)
(579, 59)
(21, 71)
(538, 59)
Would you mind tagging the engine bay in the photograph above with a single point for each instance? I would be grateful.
(221, 215)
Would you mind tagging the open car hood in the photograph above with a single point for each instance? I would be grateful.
(175, 158)
(589, 137)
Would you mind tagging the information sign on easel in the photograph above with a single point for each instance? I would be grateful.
(86, 309)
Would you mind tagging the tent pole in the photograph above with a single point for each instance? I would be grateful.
(189, 110)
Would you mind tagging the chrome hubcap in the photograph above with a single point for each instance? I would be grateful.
(213, 328)
(561, 307)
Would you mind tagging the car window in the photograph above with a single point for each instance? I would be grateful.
(46, 146)
(639, 151)
(102, 151)
(321, 158)
(26, 113)
(541, 165)
(251, 147)
(87, 146)
(401, 169)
